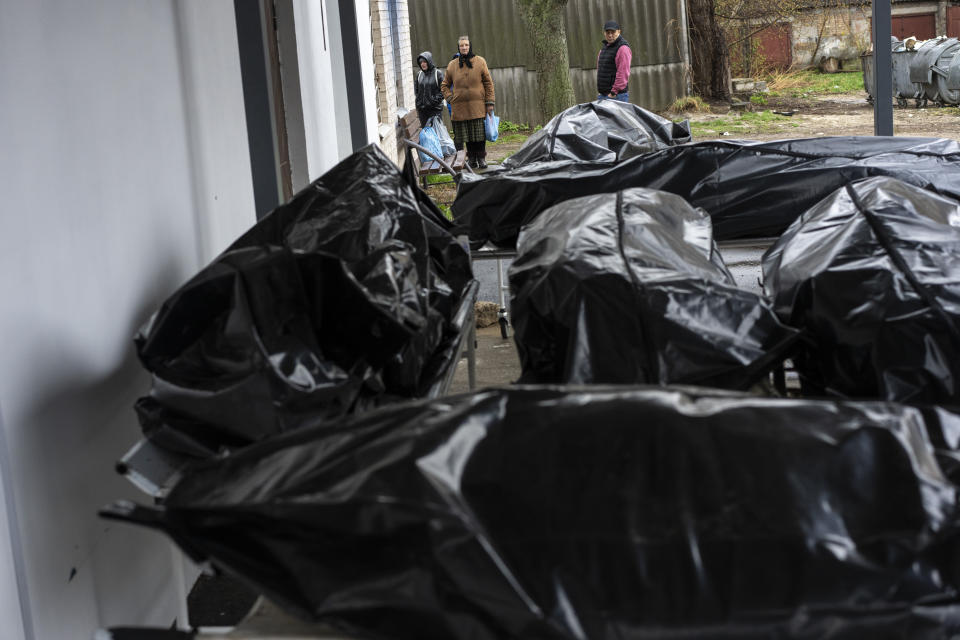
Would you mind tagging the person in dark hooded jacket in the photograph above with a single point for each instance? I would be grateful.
(427, 88)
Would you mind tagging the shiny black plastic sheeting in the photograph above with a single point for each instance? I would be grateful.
(872, 276)
(603, 131)
(336, 301)
(629, 287)
(750, 189)
(589, 513)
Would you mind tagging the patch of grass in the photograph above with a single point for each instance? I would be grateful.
(742, 124)
(945, 111)
(799, 84)
(445, 208)
(511, 137)
(439, 178)
(758, 98)
(689, 103)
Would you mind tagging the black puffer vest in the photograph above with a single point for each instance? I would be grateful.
(607, 65)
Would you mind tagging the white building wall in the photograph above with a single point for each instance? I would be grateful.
(314, 56)
(323, 82)
(124, 168)
(365, 22)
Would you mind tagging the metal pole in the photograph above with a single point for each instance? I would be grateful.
(472, 354)
(882, 64)
(685, 46)
(500, 283)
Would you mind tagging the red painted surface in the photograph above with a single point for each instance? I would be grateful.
(775, 45)
(922, 25)
(953, 22)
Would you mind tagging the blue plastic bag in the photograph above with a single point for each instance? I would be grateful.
(492, 126)
(430, 141)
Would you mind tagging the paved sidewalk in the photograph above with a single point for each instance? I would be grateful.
(497, 361)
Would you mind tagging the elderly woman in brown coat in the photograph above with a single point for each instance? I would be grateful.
(468, 88)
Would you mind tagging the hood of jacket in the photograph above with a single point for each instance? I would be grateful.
(426, 55)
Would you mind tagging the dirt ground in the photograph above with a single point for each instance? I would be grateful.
(836, 115)
(444, 193)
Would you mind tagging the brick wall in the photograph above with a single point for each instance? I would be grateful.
(390, 38)
(841, 33)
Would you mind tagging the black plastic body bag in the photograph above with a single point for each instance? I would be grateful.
(872, 277)
(339, 300)
(605, 131)
(750, 189)
(599, 513)
(629, 287)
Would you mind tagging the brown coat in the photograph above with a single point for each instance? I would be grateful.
(472, 88)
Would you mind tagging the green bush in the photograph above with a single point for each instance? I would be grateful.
(512, 127)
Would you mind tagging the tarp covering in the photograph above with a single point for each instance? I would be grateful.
(872, 276)
(629, 287)
(594, 513)
(750, 189)
(603, 131)
(340, 299)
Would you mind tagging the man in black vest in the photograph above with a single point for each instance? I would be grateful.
(613, 64)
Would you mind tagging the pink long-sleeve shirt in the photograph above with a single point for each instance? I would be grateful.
(623, 59)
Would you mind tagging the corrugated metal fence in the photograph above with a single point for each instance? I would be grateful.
(652, 27)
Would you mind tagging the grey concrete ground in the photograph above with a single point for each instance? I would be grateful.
(486, 272)
(497, 361)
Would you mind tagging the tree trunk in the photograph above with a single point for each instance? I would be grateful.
(709, 57)
(548, 35)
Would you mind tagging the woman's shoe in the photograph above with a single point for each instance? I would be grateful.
(482, 164)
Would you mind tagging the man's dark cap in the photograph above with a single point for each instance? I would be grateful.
(611, 24)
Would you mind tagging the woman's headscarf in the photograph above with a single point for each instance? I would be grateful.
(466, 58)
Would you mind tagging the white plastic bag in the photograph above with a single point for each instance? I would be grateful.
(446, 142)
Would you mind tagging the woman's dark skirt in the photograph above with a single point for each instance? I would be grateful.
(468, 131)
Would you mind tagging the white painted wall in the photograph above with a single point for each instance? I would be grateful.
(124, 168)
(217, 123)
(367, 69)
(340, 103)
(315, 59)
(323, 84)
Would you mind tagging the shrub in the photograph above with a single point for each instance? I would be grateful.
(689, 103)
